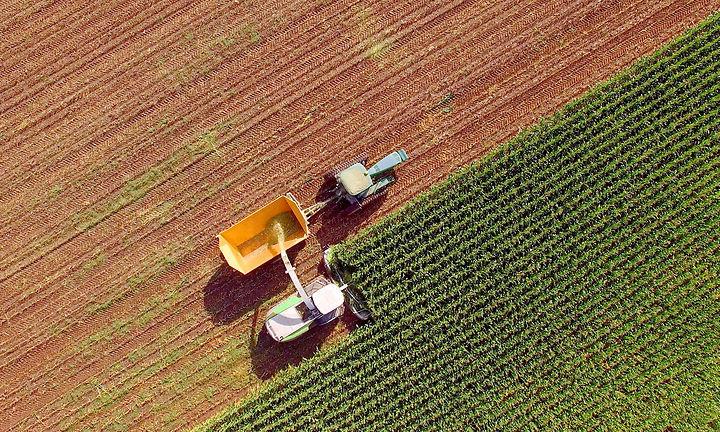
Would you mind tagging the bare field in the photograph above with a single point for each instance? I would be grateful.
(133, 132)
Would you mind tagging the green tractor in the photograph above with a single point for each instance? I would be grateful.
(355, 184)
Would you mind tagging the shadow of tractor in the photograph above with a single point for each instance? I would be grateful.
(229, 294)
(335, 223)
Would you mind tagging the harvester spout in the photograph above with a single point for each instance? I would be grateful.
(290, 270)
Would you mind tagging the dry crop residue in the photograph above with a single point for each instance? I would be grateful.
(133, 132)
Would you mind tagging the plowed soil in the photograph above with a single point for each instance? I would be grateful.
(133, 132)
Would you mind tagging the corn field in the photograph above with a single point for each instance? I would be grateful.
(570, 281)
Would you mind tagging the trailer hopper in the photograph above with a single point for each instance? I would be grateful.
(248, 244)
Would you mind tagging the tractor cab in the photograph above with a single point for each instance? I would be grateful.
(355, 179)
(353, 183)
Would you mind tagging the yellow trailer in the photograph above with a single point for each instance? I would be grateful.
(247, 244)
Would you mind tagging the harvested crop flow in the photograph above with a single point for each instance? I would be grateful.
(279, 228)
(132, 133)
(567, 282)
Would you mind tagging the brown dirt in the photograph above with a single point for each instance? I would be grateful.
(134, 131)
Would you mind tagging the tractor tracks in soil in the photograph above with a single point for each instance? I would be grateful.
(220, 106)
(276, 169)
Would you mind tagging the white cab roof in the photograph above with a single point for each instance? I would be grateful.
(355, 179)
(328, 298)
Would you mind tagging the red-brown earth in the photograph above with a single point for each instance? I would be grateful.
(133, 132)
